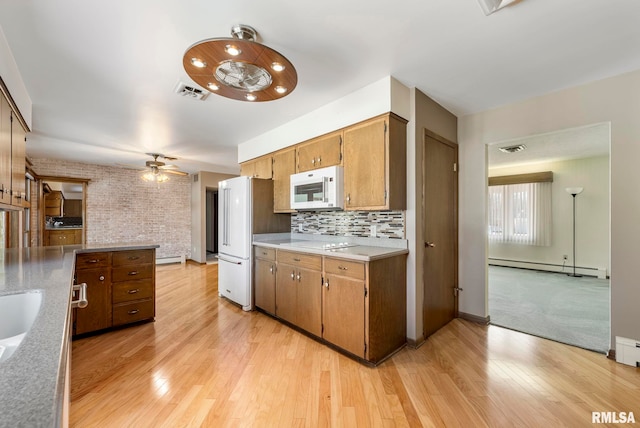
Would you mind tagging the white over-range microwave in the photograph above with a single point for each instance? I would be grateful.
(320, 189)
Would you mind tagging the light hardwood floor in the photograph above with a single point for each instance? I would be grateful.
(204, 362)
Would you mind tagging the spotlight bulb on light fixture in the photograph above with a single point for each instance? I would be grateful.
(574, 190)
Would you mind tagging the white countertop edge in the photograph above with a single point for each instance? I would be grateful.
(373, 253)
(359, 240)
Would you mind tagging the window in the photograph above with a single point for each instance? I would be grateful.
(520, 213)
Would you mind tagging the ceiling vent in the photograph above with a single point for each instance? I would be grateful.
(513, 149)
(191, 91)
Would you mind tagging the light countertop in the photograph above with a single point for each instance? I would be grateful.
(32, 379)
(364, 249)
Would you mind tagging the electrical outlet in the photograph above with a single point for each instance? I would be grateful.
(565, 257)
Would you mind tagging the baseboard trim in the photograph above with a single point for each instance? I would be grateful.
(549, 267)
(475, 318)
(167, 260)
(415, 344)
(611, 354)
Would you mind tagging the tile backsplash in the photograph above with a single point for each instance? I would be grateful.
(388, 224)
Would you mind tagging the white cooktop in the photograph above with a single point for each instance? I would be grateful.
(319, 245)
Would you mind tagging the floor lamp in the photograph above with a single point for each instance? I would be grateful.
(574, 191)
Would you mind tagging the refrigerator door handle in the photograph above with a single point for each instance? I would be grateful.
(229, 261)
(225, 216)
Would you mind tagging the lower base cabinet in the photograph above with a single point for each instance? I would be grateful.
(358, 307)
(120, 289)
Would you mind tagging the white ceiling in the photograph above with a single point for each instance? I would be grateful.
(101, 75)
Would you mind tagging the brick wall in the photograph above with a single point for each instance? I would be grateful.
(123, 208)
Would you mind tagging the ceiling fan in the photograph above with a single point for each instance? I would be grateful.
(156, 169)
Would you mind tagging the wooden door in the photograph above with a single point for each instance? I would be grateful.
(343, 313)
(309, 301)
(320, 152)
(5, 151)
(365, 161)
(263, 168)
(440, 187)
(286, 291)
(265, 285)
(97, 315)
(284, 164)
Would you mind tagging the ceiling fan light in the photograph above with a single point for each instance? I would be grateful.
(281, 89)
(197, 62)
(276, 66)
(251, 97)
(213, 86)
(232, 50)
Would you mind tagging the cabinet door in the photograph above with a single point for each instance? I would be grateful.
(18, 135)
(365, 165)
(247, 169)
(259, 167)
(265, 285)
(5, 151)
(309, 300)
(320, 152)
(286, 290)
(97, 315)
(343, 311)
(284, 164)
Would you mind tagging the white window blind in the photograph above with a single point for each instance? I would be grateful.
(520, 213)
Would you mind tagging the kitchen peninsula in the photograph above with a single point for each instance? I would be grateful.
(346, 292)
(34, 379)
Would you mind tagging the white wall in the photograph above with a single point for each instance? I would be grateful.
(613, 100)
(592, 215)
(380, 97)
(206, 180)
(12, 79)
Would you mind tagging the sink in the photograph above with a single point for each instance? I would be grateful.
(17, 313)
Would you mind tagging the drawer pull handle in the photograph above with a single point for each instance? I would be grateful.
(134, 291)
(93, 261)
(133, 311)
(134, 258)
(82, 301)
(296, 260)
(271, 269)
(293, 275)
(298, 276)
(133, 272)
(264, 253)
(343, 268)
(101, 277)
(326, 284)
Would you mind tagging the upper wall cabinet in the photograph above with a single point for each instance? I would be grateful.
(284, 164)
(5, 151)
(12, 157)
(258, 167)
(375, 164)
(320, 152)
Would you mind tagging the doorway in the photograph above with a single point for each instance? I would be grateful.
(440, 219)
(61, 217)
(530, 286)
(212, 222)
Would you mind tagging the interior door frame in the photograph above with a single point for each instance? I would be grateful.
(41, 179)
(428, 133)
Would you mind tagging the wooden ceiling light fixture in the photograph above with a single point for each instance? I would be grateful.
(240, 68)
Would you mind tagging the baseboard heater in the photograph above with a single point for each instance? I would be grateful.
(549, 267)
(173, 259)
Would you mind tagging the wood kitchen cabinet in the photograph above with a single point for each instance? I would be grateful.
(258, 168)
(298, 290)
(120, 289)
(364, 306)
(375, 154)
(94, 269)
(320, 152)
(284, 164)
(12, 157)
(265, 279)
(53, 204)
(62, 237)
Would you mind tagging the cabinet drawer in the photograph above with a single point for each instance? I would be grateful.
(130, 273)
(309, 261)
(126, 313)
(264, 253)
(92, 260)
(132, 257)
(348, 268)
(132, 290)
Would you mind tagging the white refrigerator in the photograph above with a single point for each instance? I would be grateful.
(245, 207)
